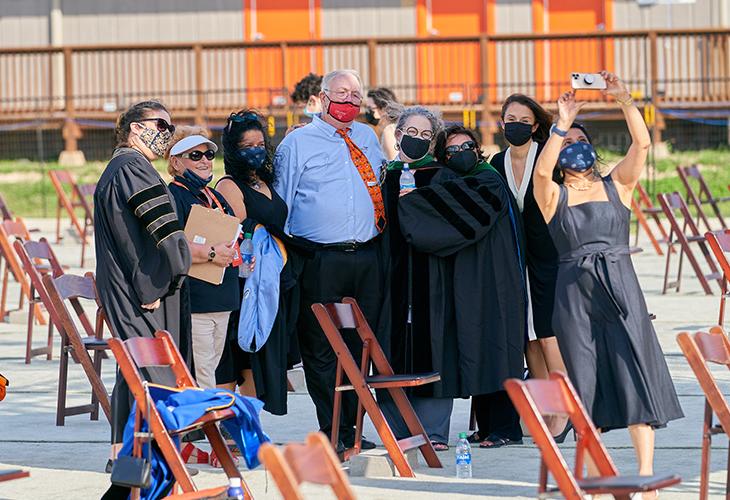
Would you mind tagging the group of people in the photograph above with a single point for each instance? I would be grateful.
(482, 268)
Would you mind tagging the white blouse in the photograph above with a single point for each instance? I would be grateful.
(520, 192)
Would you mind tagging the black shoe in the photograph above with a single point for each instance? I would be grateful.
(364, 443)
(109, 465)
(560, 438)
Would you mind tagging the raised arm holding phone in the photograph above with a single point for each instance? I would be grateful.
(600, 317)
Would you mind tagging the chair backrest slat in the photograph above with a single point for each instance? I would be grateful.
(341, 315)
(71, 286)
(149, 352)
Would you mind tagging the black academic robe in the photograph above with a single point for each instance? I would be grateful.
(477, 297)
(410, 347)
(141, 256)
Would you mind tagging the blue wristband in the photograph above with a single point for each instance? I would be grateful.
(555, 130)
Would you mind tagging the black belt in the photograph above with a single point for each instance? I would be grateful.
(347, 246)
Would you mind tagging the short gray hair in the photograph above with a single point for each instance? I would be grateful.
(432, 116)
(326, 79)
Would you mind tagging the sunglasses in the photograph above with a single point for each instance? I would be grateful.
(468, 145)
(242, 118)
(161, 124)
(198, 155)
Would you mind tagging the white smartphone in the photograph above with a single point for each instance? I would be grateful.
(590, 81)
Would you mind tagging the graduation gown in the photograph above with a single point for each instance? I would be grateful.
(141, 256)
(410, 347)
(470, 230)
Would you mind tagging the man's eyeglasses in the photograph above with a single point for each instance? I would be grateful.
(466, 146)
(198, 155)
(414, 132)
(343, 94)
(161, 124)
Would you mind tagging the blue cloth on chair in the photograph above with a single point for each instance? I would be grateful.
(260, 301)
(180, 408)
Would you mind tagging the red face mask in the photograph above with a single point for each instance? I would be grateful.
(343, 112)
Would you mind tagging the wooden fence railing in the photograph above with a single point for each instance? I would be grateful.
(202, 81)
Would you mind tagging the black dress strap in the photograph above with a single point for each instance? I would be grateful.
(611, 191)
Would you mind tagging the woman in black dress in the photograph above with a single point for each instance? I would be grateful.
(607, 340)
(248, 188)
(526, 127)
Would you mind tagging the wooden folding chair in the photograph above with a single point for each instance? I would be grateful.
(643, 208)
(79, 198)
(700, 349)
(38, 259)
(537, 397)
(310, 462)
(703, 197)
(332, 318)
(671, 202)
(140, 352)
(719, 242)
(9, 231)
(71, 288)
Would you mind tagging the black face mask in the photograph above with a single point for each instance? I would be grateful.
(517, 133)
(370, 117)
(463, 162)
(413, 147)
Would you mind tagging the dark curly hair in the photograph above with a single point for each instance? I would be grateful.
(308, 86)
(134, 113)
(238, 124)
(439, 149)
(543, 119)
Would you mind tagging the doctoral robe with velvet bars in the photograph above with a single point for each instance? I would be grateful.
(141, 256)
(469, 227)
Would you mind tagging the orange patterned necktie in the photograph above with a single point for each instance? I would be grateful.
(368, 177)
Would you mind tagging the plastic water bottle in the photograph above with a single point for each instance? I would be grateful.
(463, 458)
(246, 256)
(407, 180)
(234, 488)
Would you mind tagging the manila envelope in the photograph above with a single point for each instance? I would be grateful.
(209, 227)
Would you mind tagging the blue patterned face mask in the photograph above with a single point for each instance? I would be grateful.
(253, 157)
(195, 181)
(579, 157)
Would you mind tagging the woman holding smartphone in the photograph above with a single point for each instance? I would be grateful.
(605, 334)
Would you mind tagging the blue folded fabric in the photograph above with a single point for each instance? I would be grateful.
(260, 300)
(179, 409)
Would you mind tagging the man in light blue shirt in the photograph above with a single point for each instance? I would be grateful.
(334, 205)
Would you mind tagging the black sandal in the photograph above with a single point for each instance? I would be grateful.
(498, 442)
(475, 438)
(440, 446)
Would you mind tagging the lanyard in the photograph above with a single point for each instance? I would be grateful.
(208, 192)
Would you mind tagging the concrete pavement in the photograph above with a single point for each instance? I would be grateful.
(68, 462)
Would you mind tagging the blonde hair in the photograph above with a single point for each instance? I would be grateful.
(181, 133)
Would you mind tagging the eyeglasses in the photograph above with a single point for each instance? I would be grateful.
(198, 155)
(343, 94)
(414, 132)
(161, 124)
(468, 145)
